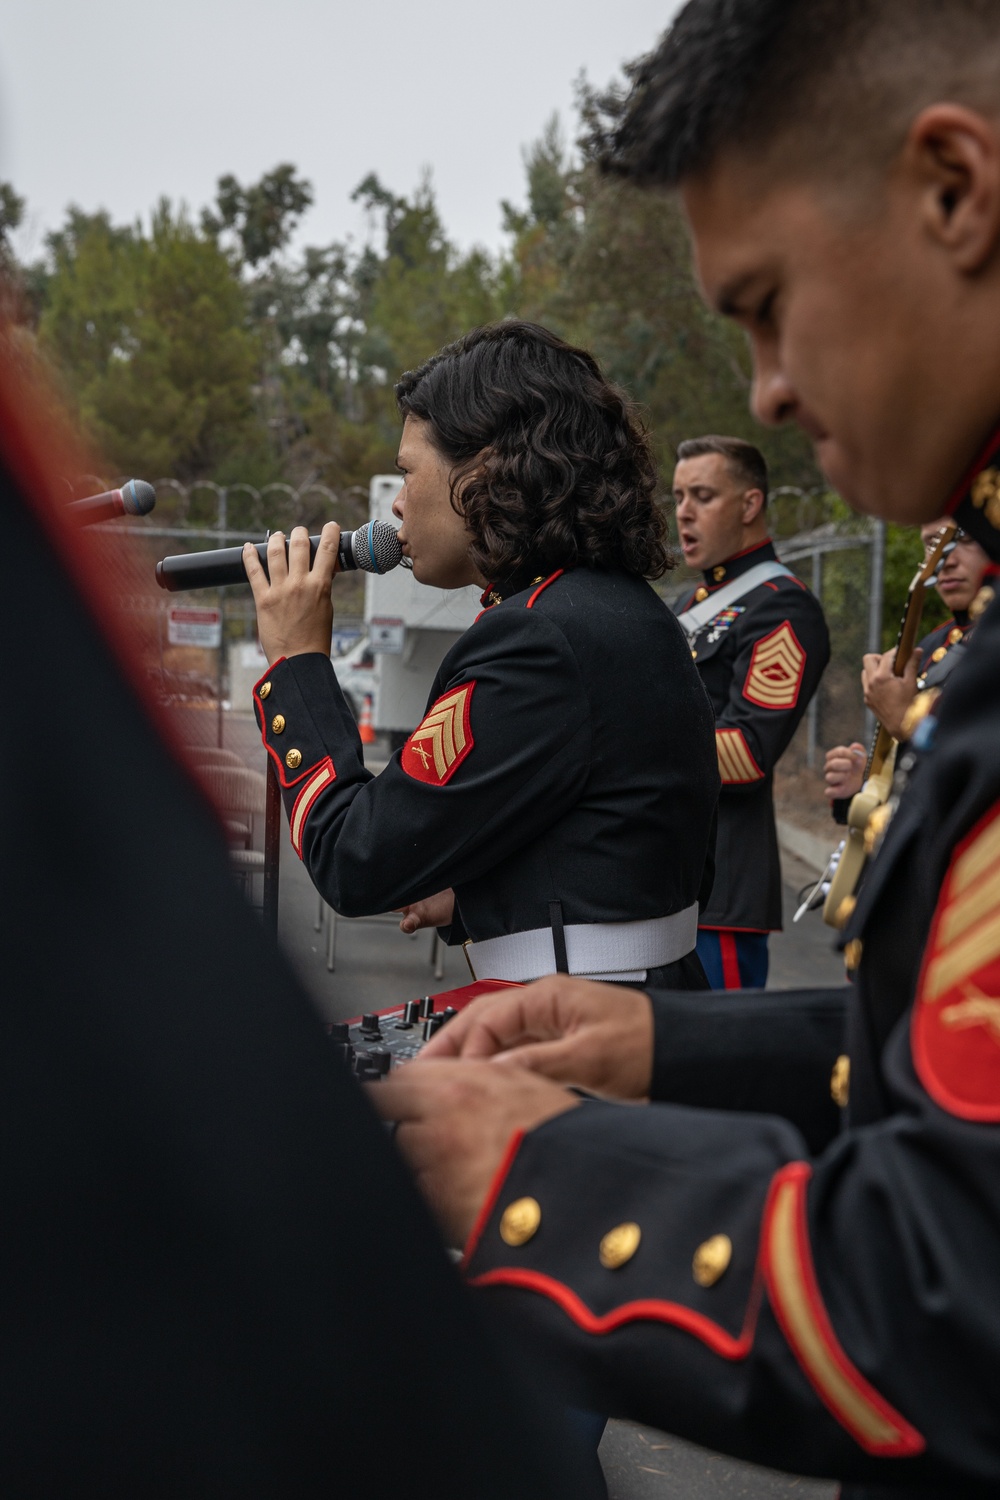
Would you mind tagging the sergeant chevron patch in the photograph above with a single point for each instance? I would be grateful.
(956, 1016)
(442, 740)
(776, 668)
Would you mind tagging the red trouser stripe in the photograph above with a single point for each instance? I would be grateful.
(730, 961)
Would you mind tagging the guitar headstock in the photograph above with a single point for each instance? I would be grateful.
(934, 548)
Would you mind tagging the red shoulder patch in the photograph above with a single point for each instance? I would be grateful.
(955, 1032)
(442, 740)
(776, 669)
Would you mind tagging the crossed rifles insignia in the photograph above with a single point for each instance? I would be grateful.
(956, 1022)
(442, 740)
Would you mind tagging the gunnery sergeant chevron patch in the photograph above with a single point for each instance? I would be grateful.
(956, 1016)
(442, 740)
(776, 668)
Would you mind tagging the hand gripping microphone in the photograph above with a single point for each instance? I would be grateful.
(375, 548)
(135, 498)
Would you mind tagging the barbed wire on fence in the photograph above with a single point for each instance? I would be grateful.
(277, 506)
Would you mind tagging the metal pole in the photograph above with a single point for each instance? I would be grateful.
(220, 680)
(876, 602)
(813, 711)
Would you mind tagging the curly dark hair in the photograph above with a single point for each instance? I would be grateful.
(551, 465)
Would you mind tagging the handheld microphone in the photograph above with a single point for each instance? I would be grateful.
(375, 548)
(135, 498)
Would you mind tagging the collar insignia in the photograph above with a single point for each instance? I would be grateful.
(975, 501)
(985, 495)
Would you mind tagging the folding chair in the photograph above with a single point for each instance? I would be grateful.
(235, 789)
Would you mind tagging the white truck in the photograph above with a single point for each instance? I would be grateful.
(408, 629)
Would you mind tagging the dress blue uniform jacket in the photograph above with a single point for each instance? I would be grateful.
(760, 661)
(739, 1273)
(566, 755)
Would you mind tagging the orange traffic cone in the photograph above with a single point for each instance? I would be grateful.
(365, 729)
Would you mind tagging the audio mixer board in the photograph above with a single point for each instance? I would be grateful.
(372, 1045)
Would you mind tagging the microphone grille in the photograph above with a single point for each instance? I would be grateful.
(138, 497)
(376, 547)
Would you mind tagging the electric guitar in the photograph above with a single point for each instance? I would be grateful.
(867, 814)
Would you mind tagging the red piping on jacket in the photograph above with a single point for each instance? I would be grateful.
(646, 1310)
(489, 1202)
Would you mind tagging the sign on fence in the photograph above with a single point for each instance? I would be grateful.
(386, 635)
(194, 627)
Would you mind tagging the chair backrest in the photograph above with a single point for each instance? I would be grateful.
(207, 755)
(234, 789)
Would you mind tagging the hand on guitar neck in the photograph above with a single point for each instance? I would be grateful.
(889, 682)
(887, 695)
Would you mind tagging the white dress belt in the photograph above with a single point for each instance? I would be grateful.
(594, 950)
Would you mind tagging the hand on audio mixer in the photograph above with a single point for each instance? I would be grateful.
(294, 608)
(433, 911)
(844, 771)
(887, 695)
(455, 1121)
(598, 1036)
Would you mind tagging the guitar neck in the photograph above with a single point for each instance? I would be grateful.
(883, 741)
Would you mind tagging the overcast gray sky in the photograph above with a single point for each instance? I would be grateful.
(111, 103)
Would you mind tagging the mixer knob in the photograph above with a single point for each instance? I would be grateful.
(339, 1031)
(428, 1029)
(426, 1007)
(448, 1013)
(380, 1058)
(411, 1014)
(370, 1025)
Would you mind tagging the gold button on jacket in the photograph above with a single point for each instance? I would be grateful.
(711, 1260)
(619, 1245)
(840, 1081)
(278, 724)
(520, 1221)
(264, 689)
(293, 759)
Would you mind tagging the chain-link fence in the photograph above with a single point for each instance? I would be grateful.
(201, 681)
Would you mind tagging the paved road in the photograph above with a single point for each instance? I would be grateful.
(377, 966)
(642, 1464)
